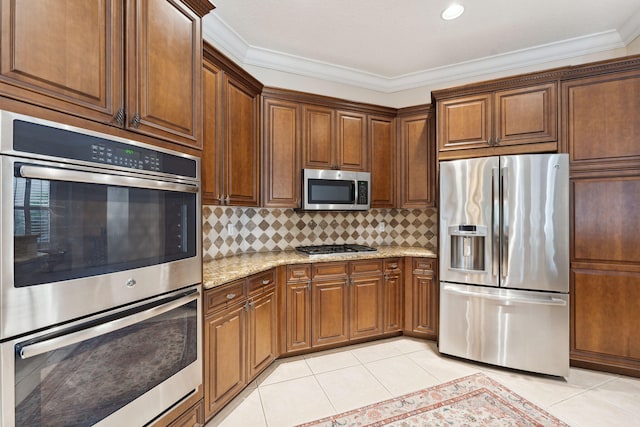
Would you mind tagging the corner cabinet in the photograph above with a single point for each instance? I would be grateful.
(231, 153)
(476, 123)
(153, 90)
(417, 164)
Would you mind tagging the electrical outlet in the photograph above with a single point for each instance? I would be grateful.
(382, 227)
(231, 230)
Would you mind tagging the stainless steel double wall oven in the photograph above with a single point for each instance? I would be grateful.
(100, 267)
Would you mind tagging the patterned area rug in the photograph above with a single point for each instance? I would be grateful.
(476, 400)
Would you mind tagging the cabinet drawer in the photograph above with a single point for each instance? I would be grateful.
(224, 296)
(366, 267)
(423, 265)
(330, 270)
(392, 265)
(257, 282)
(299, 273)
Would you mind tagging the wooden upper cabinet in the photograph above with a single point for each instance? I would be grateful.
(231, 150)
(600, 118)
(382, 146)
(212, 155)
(164, 61)
(241, 149)
(465, 122)
(494, 120)
(70, 56)
(417, 161)
(281, 154)
(64, 54)
(318, 137)
(351, 145)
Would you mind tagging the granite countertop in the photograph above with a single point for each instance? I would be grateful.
(225, 270)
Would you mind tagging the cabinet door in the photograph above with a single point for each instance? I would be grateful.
(392, 302)
(330, 308)
(605, 319)
(281, 154)
(224, 357)
(526, 115)
(465, 123)
(298, 314)
(261, 343)
(382, 143)
(318, 137)
(193, 417)
(417, 162)
(241, 144)
(365, 296)
(352, 141)
(164, 63)
(212, 154)
(600, 118)
(63, 54)
(425, 304)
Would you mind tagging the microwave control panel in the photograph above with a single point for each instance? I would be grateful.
(363, 193)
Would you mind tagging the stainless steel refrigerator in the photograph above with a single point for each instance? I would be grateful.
(504, 261)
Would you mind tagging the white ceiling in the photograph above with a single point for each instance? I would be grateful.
(391, 45)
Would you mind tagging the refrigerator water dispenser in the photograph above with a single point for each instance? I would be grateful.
(467, 247)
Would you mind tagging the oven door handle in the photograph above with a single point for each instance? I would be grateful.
(75, 337)
(56, 174)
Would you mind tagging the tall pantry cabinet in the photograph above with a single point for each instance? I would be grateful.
(601, 112)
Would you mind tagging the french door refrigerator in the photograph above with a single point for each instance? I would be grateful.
(504, 261)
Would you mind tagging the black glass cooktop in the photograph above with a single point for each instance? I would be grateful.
(334, 249)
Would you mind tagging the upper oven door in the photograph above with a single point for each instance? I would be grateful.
(78, 241)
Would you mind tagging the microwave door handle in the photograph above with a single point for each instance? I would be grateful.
(55, 174)
(75, 337)
(355, 192)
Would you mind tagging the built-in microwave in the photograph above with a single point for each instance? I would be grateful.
(335, 190)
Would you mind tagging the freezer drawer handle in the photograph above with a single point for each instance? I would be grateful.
(541, 301)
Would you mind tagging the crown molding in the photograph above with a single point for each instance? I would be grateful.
(221, 35)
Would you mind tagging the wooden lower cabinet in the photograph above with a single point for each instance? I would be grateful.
(225, 357)
(392, 302)
(240, 337)
(297, 308)
(261, 323)
(366, 300)
(421, 298)
(330, 312)
(193, 417)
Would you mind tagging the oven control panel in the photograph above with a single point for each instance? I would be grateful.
(125, 157)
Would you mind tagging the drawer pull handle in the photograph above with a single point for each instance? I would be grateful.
(393, 266)
(266, 282)
(298, 273)
(231, 296)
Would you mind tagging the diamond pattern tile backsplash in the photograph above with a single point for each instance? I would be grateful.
(262, 229)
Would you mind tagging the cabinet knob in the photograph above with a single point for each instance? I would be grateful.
(497, 141)
(227, 200)
(490, 141)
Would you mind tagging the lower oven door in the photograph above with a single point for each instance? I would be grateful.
(122, 368)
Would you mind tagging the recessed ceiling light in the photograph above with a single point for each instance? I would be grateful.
(452, 12)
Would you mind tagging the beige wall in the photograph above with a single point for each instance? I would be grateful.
(634, 47)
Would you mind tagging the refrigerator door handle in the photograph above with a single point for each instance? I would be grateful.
(507, 299)
(504, 219)
(495, 220)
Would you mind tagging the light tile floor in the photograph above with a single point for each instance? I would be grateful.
(304, 388)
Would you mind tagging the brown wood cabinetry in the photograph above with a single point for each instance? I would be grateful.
(240, 336)
(470, 124)
(281, 153)
(230, 167)
(392, 295)
(297, 316)
(365, 299)
(421, 298)
(600, 120)
(382, 146)
(329, 303)
(189, 413)
(417, 158)
(333, 139)
(70, 57)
